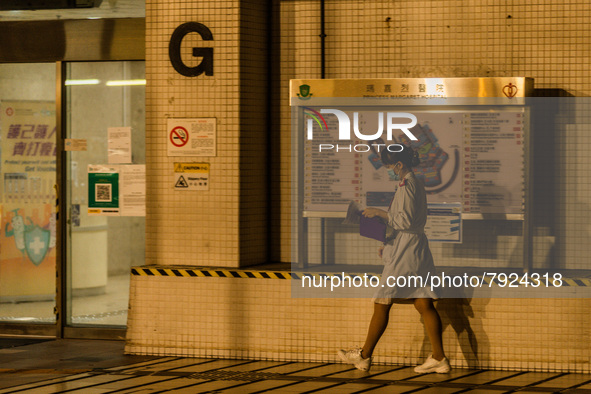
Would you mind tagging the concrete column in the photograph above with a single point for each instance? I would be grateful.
(227, 224)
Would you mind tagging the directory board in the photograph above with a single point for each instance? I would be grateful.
(474, 156)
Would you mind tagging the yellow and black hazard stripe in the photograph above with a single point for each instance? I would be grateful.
(576, 282)
(564, 282)
(203, 272)
(211, 273)
(206, 272)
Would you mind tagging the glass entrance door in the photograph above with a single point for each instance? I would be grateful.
(102, 120)
(105, 157)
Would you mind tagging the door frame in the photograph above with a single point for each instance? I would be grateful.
(62, 42)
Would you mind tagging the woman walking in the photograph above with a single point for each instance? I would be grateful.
(404, 254)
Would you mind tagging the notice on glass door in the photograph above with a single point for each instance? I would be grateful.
(133, 190)
(117, 190)
(75, 145)
(103, 190)
(119, 145)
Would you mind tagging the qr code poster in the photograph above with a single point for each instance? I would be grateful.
(103, 190)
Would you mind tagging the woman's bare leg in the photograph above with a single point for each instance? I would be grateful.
(377, 326)
(432, 325)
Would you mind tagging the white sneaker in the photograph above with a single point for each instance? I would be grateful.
(432, 365)
(354, 357)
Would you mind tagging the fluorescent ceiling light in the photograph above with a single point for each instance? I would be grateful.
(70, 82)
(127, 82)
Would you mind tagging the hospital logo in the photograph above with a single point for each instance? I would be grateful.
(510, 90)
(304, 93)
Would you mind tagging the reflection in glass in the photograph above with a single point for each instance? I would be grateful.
(101, 248)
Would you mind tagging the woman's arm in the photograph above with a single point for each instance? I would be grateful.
(403, 217)
(373, 212)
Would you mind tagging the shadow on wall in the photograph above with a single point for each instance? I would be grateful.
(459, 314)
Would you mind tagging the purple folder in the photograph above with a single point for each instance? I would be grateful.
(374, 228)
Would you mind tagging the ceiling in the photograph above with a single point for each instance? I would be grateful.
(108, 9)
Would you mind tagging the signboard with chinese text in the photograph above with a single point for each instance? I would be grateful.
(470, 135)
(28, 176)
(191, 176)
(28, 150)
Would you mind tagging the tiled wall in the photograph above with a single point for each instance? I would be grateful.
(226, 225)
(364, 39)
(549, 41)
(259, 319)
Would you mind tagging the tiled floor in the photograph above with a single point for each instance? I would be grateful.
(84, 366)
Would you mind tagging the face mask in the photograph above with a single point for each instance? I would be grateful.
(393, 176)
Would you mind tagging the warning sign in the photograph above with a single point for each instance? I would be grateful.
(191, 176)
(179, 136)
(181, 182)
(191, 137)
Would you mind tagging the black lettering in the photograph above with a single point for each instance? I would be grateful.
(174, 50)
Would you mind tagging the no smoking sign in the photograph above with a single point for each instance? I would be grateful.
(179, 136)
(191, 137)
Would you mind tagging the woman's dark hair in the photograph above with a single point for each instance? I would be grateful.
(408, 156)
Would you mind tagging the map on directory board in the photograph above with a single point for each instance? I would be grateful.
(474, 157)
